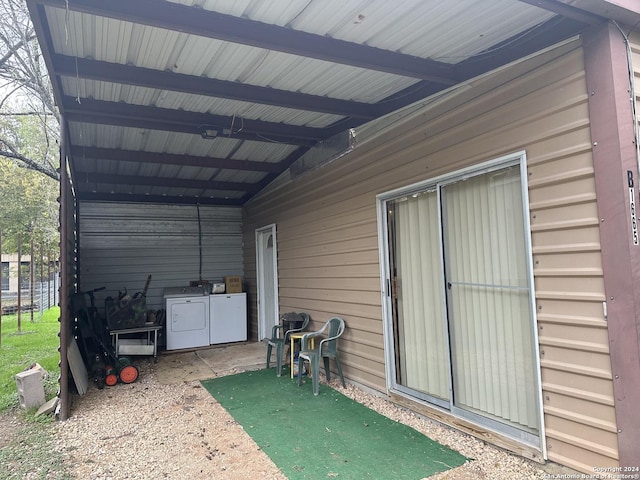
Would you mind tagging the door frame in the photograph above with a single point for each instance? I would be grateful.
(264, 324)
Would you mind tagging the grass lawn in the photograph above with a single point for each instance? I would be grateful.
(27, 443)
(36, 342)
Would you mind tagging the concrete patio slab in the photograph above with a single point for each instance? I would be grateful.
(215, 361)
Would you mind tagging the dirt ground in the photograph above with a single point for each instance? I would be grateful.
(10, 425)
(166, 425)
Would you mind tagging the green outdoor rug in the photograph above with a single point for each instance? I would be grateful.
(328, 436)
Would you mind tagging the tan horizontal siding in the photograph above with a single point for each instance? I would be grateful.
(584, 411)
(574, 347)
(318, 269)
(565, 264)
(570, 451)
(331, 294)
(570, 337)
(583, 434)
(569, 312)
(328, 246)
(319, 311)
(332, 243)
(595, 389)
(345, 258)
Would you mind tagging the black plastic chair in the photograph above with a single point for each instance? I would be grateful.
(289, 323)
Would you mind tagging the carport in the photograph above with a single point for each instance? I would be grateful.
(173, 109)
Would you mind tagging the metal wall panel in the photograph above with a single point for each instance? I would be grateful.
(328, 251)
(121, 244)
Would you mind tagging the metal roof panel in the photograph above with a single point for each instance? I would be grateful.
(420, 32)
(122, 42)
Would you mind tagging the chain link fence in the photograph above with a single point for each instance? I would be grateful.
(36, 296)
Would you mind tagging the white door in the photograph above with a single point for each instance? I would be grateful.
(267, 278)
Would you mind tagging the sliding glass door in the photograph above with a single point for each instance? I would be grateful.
(460, 298)
(422, 362)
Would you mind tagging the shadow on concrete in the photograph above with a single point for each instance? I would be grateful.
(215, 361)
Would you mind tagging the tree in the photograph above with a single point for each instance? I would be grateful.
(25, 92)
(29, 134)
(28, 206)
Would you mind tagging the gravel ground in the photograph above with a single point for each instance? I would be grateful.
(147, 430)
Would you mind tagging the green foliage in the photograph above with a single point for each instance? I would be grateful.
(37, 343)
(29, 119)
(29, 133)
(28, 207)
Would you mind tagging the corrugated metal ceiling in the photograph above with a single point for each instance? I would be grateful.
(138, 82)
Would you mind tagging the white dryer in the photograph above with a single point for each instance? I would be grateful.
(187, 317)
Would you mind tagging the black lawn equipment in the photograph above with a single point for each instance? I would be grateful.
(95, 344)
(126, 311)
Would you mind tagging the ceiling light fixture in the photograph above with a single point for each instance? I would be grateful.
(208, 131)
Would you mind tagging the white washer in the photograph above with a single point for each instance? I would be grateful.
(187, 317)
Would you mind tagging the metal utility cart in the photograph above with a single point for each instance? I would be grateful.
(123, 344)
(127, 319)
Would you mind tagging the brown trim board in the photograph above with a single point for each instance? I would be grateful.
(614, 158)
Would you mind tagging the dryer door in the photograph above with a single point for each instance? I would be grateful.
(187, 322)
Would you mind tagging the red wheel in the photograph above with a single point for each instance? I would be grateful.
(111, 379)
(129, 374)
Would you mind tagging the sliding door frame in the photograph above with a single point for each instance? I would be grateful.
(516, 158)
